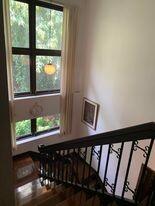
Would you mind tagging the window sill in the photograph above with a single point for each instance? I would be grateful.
(31, 139)
(37, 96)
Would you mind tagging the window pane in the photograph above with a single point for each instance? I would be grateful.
(23, 128)
(49, 122)
(21, 73)
(19, 23)
(48, 28)
(46, 82)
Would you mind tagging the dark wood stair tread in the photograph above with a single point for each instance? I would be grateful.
(94, 201)
(76, 200)
(59, 197)
(112, 204)
(35, 194)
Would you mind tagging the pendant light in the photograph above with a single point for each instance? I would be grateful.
(49, 69)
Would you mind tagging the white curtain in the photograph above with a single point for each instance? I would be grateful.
(8, 44)
(68, 63)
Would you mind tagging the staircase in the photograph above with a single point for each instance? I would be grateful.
(57, 195)
(39, 193)
(77, 172)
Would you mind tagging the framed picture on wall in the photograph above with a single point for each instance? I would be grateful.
(90, 113)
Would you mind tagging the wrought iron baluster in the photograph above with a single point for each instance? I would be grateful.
(106, 167)
(67, 162)
(84, 166)
(118, 166)
(58, 164)
(73, 164)
(128, 168)
(140, 186)
(45, 169)
(54, 165)
(77, 165)
(49, 166)
(98, 168)
(42, 166)
(62, 164)
(90, 162)
(112, 150)
(145, 150)
(111, 186)
(99, 159)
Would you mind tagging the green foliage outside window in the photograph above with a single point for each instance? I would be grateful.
(43, 123)
(48, 36)
(46, 123)
(21, 73)
(19, 17)
(48, 28)
(23, 128)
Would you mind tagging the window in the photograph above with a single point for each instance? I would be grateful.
(48, 122)
(43, 124)
(23, 128)
(36, 29)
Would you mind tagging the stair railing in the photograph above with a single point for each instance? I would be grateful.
(77, 161)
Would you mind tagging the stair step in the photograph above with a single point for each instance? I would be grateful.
(112, 204)
(76, 200)
(59, 197)
(27, 192)
(94, 201)
(34, 194)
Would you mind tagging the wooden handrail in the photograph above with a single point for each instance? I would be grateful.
(139, 132)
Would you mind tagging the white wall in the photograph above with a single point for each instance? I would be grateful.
(119, 63)
(118, 70)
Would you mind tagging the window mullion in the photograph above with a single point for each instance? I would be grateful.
(32, 40)
(33, 126)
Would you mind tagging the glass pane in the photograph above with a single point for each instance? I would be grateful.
(46, 82)
(21, 73)
(49, 122)
(19, 16)
(48, 28)
(23, 128)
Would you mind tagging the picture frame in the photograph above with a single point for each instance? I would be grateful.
(90, 113)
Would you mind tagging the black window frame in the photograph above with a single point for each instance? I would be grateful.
(33, 52)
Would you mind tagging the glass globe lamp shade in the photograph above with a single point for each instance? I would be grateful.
(49, 69)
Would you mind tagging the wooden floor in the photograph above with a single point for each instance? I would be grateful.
(30, 192)
(33, 194)
(25, 170)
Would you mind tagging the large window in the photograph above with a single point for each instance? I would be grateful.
(36, 29)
